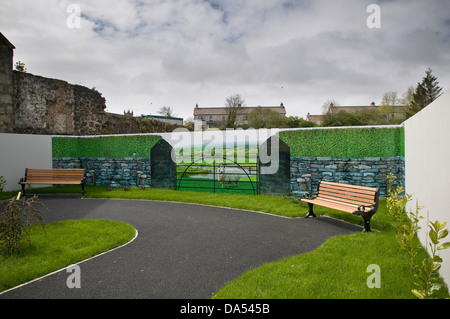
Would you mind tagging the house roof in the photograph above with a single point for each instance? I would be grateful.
(313, 118)
(353, 108)
(240, 110)
(5, 42)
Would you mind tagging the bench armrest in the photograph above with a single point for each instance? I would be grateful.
(362, 208)
(309, 195)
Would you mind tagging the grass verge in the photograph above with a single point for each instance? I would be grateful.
(63, 243)
(336, 270)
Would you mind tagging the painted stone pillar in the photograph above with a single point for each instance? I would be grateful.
(274, 165)
(163, 169)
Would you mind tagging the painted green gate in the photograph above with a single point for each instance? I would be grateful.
(219, 176)
(225, 169)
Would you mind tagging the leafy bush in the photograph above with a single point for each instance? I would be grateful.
(104, 146)
(346, 142)
(15, 220)
(406, 224)
(428, 276)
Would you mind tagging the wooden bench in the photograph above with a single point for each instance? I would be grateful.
(52, 176)
(358, 200)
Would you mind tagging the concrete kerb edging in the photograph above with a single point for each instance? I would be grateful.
(240, 209)
(226, 207)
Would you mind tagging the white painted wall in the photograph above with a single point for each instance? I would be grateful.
(20, 151)
(427, 173)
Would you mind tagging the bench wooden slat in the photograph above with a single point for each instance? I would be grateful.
(348, 192)
(362, 191)
(350, 197)
(331, 203)
(347, 207)
(52, 181)
(348, 186)
(346, 200)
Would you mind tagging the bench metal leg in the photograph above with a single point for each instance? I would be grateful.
(366, 216)
(310, 211)
(23, 190)
(82, 190)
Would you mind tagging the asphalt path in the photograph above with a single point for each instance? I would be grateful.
(182, 251)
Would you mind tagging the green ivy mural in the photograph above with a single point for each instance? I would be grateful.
(347, 142)
(104, 146)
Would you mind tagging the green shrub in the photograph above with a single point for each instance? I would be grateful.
(14, 221)
(427, 279)
(346, 142)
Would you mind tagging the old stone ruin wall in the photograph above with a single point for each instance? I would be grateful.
(34, 104)
(50, 106)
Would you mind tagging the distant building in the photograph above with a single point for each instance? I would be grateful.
(396, 112)
(166, 119)
(351, 109)
(314, 118)
(128, 113)
(216, 117)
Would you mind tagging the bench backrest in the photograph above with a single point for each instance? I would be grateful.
(51, 174)
(352, 194)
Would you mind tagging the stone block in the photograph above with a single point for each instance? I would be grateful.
(372, 159)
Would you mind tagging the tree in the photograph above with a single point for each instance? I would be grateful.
(20, 66)
(262, 117)
(166, 111)
(340, 118)
(387, 106)
(390, 99)
(295, 121)
(327, 107)
(189, 123)
(408, 96)
(372, 116)
(232, 103)
(426, 92)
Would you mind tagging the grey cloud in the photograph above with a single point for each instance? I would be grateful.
(181, 52)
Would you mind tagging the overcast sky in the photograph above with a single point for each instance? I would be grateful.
(144, 54)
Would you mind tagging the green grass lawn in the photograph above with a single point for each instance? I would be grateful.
(63, 243)
(337, 269)
(244, 186)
